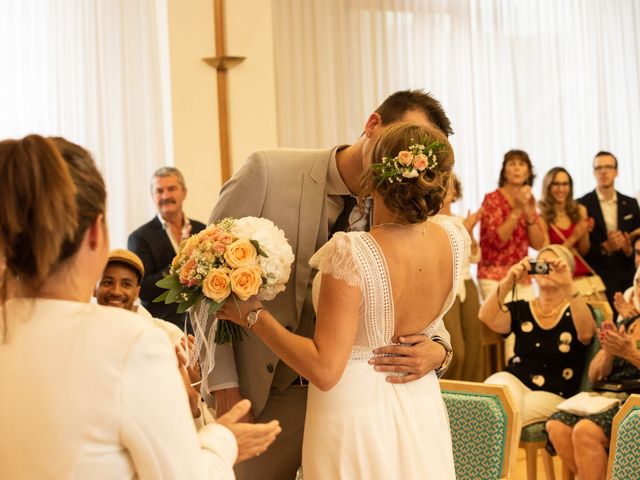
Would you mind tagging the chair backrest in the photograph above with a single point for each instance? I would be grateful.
(602, 312)
(483, 423)
(624, 454)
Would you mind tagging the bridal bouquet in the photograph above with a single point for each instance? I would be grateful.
(232, 258)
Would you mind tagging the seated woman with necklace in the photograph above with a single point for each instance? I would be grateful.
(551, 333)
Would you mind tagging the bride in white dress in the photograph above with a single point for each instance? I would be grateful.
(376, 287)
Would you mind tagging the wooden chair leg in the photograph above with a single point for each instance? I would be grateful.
(547, 461)
(530, 450)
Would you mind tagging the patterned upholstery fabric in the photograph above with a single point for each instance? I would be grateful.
(626, 463)
(534, 433)
(478, 430)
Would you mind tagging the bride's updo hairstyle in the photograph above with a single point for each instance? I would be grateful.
(51, 192)
(420, 193)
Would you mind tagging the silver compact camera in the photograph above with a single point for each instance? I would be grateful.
(538, 268)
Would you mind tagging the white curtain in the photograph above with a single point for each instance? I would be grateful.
(96, 73)
(557, 78)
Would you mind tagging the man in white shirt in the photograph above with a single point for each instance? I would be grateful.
(119, 287)
(615, 217)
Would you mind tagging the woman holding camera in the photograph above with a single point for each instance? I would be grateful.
(551, 333)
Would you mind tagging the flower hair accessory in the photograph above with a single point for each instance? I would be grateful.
(408, 163)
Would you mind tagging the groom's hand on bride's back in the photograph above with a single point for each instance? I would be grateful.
(414, 359)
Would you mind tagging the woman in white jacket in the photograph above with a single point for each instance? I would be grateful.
(87, 391)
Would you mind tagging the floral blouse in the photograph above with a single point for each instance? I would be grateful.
(498, 257)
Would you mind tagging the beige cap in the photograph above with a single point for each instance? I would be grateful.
(128, 257)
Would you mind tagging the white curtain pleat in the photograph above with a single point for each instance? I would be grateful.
(96, 73)
(559, 79)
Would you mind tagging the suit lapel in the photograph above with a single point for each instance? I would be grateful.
(622, 210)
(597, 214)
(312, 226)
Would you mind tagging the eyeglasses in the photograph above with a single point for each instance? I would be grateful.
(601, 168)
(560, 184)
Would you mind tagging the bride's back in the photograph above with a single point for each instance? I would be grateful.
(420, 263)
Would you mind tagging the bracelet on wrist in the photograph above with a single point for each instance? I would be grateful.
(529, 223)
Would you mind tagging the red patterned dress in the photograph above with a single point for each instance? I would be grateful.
(498, 257)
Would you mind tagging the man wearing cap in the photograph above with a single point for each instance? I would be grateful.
(157, 241)
(119, 287)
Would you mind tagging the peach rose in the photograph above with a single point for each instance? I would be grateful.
(405, 157)
(420, 162)
(241, 253)
(219, 247)
(186, 273)
(245, 281)
(216, 285)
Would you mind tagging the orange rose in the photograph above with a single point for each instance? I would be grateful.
(241, 253)
(245, 281)
(216, 285)
(186, 273)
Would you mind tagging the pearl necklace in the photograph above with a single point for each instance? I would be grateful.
(552, 313)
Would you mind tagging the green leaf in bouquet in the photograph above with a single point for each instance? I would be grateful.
(169, 282)
(214, 306)
(162, 297)
(189, 302)
(173, 295)
(258, 249)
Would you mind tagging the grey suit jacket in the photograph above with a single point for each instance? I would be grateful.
(288, 187)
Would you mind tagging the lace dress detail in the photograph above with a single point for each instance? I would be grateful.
(356, 258)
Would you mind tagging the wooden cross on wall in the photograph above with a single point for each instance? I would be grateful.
(222, 63)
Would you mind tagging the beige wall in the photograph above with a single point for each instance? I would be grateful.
(193, 92)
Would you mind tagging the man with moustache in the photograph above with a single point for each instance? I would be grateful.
(615, 217)
(157, 241)
(310, 194)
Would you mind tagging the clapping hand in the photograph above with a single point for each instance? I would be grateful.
(616, 343)
(471, 220)
(252, 438)
(522, 197)
(618, 240)
(625, 308)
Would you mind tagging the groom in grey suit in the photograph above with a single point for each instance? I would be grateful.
(303, 191)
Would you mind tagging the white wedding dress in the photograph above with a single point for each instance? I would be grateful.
(365, 427)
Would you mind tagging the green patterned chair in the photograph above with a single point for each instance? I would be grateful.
(534, 437)
(624, 454)
(483, 422)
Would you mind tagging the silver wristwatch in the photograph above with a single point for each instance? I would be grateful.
(253, 317)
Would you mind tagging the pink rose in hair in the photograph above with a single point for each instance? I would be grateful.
(405, 157)
(420, 162)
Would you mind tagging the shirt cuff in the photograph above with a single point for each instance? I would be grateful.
(222, 386)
